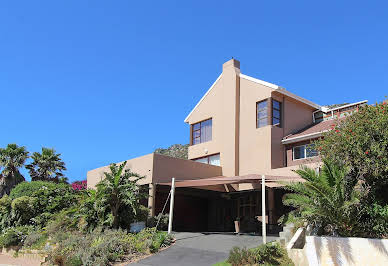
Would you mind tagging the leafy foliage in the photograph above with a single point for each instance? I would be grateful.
(34, 203)
(177, 151)
(14, 236)
(104, 247)
(325, 201)
(269, 254)
(360, 143)
(23, 210)
(46, 166)
(119, 194)
(163, 221)
(12, 158)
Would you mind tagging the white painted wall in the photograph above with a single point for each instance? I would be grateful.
(346, 251)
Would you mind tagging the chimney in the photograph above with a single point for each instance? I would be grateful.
(231, 63)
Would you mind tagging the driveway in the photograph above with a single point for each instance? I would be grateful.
(201, 249)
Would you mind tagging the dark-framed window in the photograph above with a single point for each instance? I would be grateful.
(304, 151)
(261, 114)
(202, 132)
(276, 113)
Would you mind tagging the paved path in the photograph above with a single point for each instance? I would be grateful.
(200, 249)
(6, 260)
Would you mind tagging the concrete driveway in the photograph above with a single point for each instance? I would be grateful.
(201, 249)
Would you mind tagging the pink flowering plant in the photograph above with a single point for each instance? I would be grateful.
(359, 143)
(79, 185)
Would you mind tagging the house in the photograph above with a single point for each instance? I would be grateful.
(242, 128)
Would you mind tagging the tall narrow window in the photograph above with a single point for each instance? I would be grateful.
(276, 113)
(202, 132)
(262, 114)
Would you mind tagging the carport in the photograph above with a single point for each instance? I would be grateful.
(248, 203)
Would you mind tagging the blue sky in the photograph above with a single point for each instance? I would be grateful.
(101, 81)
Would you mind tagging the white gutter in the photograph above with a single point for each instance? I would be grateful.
(304, 137)
(347, 105)
(259, 81)
(296, 97)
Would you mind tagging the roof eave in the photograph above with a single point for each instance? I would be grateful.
(304, 137)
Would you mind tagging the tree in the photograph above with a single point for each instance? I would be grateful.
(360, 142)
(46, 166)
(12, 158)
(325, 201)
(119, 192)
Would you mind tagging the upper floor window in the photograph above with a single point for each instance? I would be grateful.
(202, 132)
(262, 114)
(276, 113)
(304, 151)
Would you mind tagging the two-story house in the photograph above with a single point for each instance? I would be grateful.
(241, 128)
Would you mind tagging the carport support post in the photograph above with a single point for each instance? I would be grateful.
(264, 221)
(170, 217)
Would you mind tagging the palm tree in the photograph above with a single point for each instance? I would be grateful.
(46, 166)
(325, 200)
(11, 159)
(119, 191)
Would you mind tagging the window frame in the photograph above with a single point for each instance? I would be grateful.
(305, 152)
(280, 113)
(208, 158)
(257, 113)
(192, 131)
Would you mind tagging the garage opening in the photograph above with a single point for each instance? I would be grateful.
(217, 208)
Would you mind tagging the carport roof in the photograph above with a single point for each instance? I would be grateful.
(271, 180)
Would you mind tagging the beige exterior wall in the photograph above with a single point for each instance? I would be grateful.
(166, 167)
(255, 143)
(220, 105)
(245, 149)
(158, 169)
(142, 165)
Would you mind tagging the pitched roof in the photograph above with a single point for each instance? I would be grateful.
(311, 131)
(274, 87)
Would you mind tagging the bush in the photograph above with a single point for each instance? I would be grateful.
(5, 212)
(142, 214)
(14, 236)
(36, 240)
(160, 240)
(269, 254)
(153, 220)
(35, 202)
(103, 247)
(23, 210)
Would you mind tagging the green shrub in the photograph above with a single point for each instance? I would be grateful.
(35, 202)
(160, 240)
(269, 254)
(14, 236)
(163, 221)
(5, 212)
(103, 247)
(241, 256)
(23, 210)
(142, 214)
(36, 240)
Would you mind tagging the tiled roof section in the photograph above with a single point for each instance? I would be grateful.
(314, 128)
